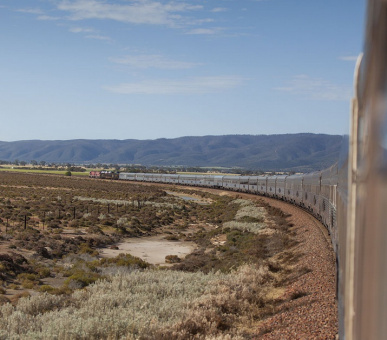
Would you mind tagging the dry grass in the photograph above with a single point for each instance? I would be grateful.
(147, 304)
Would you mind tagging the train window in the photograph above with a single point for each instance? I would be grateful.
(279, 190)
(270, 189)
(288, 192)
(297, 194)
(314, 200)
(306, 195)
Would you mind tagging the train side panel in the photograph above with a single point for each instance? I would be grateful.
(294, 189)
(127, 176)
(188, 179)
(253, 184)
(244, 183)
(329, 181)
(262, 185)
(271, 186)
(231, 182)
(280, 186)
(312, 191)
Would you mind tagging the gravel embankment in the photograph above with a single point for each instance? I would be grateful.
(314, 315)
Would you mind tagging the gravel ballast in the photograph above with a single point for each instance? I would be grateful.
(312, 312)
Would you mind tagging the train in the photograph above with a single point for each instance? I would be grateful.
(104, 174)
(315, 192)
(349, 198)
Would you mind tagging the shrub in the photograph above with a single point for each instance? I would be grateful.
(28, 284)
(172, 259)
(123, 260)
(82, 279)
(46, 289)
(172, 238)
(44, 272)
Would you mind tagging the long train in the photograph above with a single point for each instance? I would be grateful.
(315, 191)
(350, 198)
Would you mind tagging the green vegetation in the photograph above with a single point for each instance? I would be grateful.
(42, 171)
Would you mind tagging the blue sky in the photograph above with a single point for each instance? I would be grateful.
(145, 69)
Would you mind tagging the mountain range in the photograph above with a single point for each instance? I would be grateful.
(286, 152)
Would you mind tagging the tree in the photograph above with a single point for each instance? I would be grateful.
(68, 173)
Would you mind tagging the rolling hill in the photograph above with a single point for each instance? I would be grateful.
(299, 152)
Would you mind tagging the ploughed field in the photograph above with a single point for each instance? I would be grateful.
(236, 266)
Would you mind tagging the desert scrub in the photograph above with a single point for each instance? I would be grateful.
(146, 305)
(122, 260)
(172, 259)
(249, 217)
(81, 278)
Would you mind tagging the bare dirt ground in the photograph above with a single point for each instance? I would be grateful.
(151, 249)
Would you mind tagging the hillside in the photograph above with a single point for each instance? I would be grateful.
(300, 152)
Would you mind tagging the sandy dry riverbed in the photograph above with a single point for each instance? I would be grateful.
(151, 249)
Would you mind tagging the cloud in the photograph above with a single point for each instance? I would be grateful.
(137, 12)
(81, 30)
(152, 61)
(197, 85)
(316, 89)
(205, 31)
(348, 58)
(87, 31)
(219, 9)
(37, 11)
(30, 10)
(47, 18)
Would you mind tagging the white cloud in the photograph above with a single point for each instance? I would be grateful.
(316, 89)
(47, 18)
(87, 31)
(30, 10)
(348, 58)
(136, 12)
(205, 31)
(152, 61)
(219, 9)
(197, 85)
(81, 30)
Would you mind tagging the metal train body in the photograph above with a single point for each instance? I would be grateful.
(349, 198)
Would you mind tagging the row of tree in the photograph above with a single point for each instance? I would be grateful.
(130, 168)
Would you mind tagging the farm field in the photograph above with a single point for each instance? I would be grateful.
(40, 171)
(66, 270)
